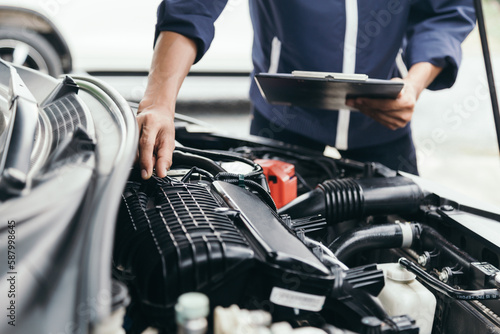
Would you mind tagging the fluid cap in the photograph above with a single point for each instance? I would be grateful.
(396, 272)
(371, 325)
(190, 306)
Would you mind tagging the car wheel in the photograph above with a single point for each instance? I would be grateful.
(28, 48)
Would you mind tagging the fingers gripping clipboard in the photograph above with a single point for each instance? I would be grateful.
(323, 90)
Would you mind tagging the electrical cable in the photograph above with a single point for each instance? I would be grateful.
(483, 294)
(318, 160)
(199, 171)
(222, 157)
(180, 158)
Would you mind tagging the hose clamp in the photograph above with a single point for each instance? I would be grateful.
(407, 233)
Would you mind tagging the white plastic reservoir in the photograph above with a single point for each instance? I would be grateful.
(403, 294)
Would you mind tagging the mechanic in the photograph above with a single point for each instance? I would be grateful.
(364, 36)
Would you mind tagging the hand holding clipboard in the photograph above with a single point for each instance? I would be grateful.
(323, 90)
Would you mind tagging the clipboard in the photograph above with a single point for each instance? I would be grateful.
(323, 90)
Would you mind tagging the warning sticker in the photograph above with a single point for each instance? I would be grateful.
(294, 299)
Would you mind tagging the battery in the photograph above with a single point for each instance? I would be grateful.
(281, 179)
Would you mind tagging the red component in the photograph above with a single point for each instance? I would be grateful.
(282, 180)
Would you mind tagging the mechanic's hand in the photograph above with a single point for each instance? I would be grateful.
(156, 141)
(393, 114)
(173, 56)
(397, 113)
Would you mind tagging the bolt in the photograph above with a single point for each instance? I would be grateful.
(443, 276)
(422, 260)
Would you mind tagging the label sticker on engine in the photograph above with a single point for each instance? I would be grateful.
(294, 299)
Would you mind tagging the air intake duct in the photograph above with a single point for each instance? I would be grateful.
(345, 199)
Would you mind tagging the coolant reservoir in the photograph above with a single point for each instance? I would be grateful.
(403, 294)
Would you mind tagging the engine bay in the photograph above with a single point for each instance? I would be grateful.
(351, 247)
(276, 238)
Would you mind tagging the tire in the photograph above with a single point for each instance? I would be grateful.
(32, 49)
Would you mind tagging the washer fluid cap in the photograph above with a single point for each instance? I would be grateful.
(397, 273)
(190, 306)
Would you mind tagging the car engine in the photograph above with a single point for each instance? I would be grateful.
(356, 247)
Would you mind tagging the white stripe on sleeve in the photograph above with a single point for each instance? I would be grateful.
(275, 55)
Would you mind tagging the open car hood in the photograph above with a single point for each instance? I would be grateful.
(64, 165)
(81, 228)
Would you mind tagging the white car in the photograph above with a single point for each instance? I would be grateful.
(62, 36)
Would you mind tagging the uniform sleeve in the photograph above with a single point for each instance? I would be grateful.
(436, 31)
(191, 18)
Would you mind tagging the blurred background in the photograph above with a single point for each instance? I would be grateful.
(453, 129)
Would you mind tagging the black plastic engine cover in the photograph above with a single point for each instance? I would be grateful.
(220, 239)
(171, 240)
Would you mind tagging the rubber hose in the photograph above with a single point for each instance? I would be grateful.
(180, 159)
(221, 156)
(431, 239)
(373, 237)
